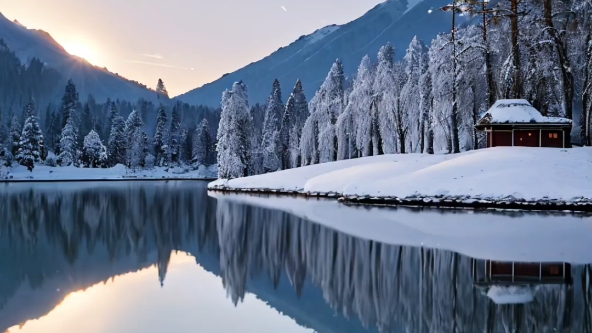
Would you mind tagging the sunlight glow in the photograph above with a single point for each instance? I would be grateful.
(82, 48)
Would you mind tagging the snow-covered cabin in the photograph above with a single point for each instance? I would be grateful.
(515, 122)
(514, 282)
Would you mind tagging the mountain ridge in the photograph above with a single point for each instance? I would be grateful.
(90, 79)
(394, 21)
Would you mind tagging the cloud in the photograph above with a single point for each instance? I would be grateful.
(284, 8)
(155, 56)
(157, 65)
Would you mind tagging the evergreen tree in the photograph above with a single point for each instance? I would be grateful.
(14, 135)
(111, 112)
(175, 135)
(161, 138)
(270, 145)
(359, 110)
(68, 145)
(319, 140)
(117, 144)
(386, 103)
(135, 137)
(86, 121)
(69, 103)
(202, 144)
(411, 92)
(29, 110)
(94, 153)
(234, 146)
(3, 136)
(161, 90)
(31, 146)
(295, 115)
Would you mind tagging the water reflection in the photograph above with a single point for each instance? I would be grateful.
(55, 240)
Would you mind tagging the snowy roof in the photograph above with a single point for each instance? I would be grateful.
(511, 294)
(517, 111)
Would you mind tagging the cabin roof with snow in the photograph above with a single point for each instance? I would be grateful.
(517, 111)
(511, 295)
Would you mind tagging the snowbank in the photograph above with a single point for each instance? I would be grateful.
(510, 175)
(40, 173)
(508, 236)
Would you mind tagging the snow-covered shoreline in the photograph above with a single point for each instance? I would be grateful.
(504, 177)
(119, 172)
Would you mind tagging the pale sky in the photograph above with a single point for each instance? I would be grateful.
(185, 42)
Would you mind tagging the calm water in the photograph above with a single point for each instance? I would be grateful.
(166, 257)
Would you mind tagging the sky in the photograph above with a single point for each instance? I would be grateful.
(187, 43)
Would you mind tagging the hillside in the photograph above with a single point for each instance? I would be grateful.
(31, 43)
(310, 57)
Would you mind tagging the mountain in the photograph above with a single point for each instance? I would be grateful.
(31, 43)
(310, 57)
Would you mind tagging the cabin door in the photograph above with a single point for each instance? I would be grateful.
(526, 138)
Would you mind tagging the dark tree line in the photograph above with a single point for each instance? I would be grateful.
(40, 123)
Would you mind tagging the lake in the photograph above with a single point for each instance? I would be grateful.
(156, 257)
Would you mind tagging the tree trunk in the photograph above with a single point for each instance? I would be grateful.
(564, 62)
(475, 116)
(517, 84)
(453, 117)
(430, 144)
(587, 97)
(422, 135)
(491, 90)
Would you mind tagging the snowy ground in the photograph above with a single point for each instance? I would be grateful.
(508, 236)
(504, 174)
(18, 172)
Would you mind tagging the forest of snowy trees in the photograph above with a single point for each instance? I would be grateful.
(538, 50)
(99, 135)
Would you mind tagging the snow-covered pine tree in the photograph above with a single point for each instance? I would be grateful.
(68, 145)
(14, 135)
(29, 110)
(112, 112)
(94, 153)
(186, 150)
(295, 114)
(270, 144)
(175, 139)
(3, 136)
(360, 108)
(69, 103)
(86, 120)
(117, 144)
(161, 138)
(319, 139)
(134, 135)
(411, 92)
(386, 103)
(233, 137)
(161, 90)
(31, 145)
(202, 144)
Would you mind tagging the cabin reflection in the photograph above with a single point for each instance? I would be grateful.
(487, 273)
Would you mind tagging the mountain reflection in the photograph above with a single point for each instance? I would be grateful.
(82, 234)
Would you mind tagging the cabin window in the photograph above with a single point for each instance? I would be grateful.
(553, 135)
(529, 134)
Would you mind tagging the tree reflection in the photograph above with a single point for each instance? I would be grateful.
(387, 287)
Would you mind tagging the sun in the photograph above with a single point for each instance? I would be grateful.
(83, 49)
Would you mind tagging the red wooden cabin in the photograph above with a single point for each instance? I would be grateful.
(516, 123)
